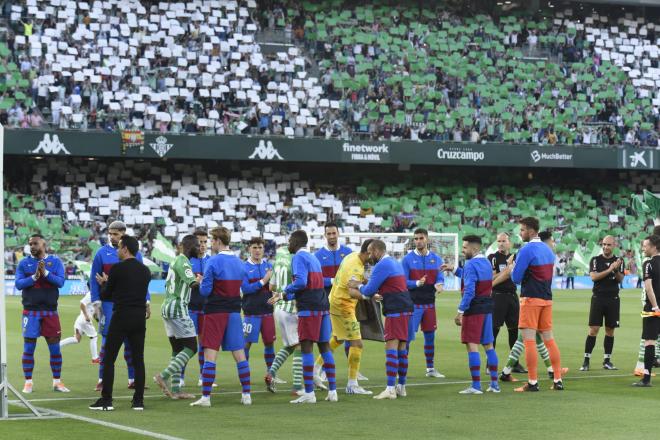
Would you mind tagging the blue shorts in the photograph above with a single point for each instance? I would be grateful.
(253, 325)
(197, 316)
(314, 326)
(423, 316)
(477, 329)
(104, 323)
(223, 330)
(37, 323)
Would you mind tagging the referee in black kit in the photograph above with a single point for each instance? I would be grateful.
(506, 306)
(126, 285)
(606, 271)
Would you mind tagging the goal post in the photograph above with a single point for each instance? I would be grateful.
(399, 244)
(5, 386)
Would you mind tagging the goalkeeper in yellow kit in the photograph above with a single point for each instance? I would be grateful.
(345, 326)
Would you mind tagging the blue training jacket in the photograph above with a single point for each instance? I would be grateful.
(307, 283)
(476, 286)
(533, 270)
(415, 266)
(256, 296)
(330, 261)
(43, 293)
(388, 280)
(197, 301)
(223, 276)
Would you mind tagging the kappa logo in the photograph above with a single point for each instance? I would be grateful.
(637, 159)
(50, 146)
(161, 147)
(265, 151)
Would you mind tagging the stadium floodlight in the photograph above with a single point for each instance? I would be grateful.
(5, 386)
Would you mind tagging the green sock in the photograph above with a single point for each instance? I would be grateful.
(177, 363)
(297, 370)
(280, 358)
(543, 351)
(515, 353)
(176, 382)
(640, 355)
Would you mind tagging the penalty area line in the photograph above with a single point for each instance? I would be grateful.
(112, 425)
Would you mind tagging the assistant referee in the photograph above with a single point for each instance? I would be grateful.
(606, 271)
(126, 286)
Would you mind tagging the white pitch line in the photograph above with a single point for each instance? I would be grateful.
(113, 425)
(420, 384)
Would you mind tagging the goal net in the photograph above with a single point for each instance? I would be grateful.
(399, 244)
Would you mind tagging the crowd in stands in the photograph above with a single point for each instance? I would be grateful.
(373, 71)
(72, 209)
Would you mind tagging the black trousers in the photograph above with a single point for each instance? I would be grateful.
(130, 324)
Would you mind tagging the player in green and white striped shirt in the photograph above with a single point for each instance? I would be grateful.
(179, 328)
(287, 321)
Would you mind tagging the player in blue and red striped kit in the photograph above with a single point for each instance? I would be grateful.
(223, 276)
(257, 313)
(425, 280)
(313, 315)
(475, 313)
(331, 255)
(388, 284)
(104, 259)
(533, 270)
(197, 301)
(39, 276)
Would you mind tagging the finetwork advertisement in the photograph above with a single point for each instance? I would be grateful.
(353, 152)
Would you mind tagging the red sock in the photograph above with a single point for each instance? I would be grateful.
(532, 358)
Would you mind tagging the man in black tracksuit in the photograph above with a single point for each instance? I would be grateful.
(126, 286)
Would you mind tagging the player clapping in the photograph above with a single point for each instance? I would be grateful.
(39, 276)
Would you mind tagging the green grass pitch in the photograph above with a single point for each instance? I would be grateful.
(596, 404)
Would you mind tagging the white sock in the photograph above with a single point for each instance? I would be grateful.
(506, 370)
(92, 347)
(130, 381)
(55, 381)
(352, 382)
(533, 382)
(68, 341)
(639, 366)
(550, 370)
(28, 381)
(100, 380)
(390, 389)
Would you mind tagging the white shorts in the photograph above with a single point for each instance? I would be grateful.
(179, 328)
(84, 328)
(288, 325)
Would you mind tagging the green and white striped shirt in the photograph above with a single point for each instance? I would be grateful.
(282, 278)
(177, 288)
